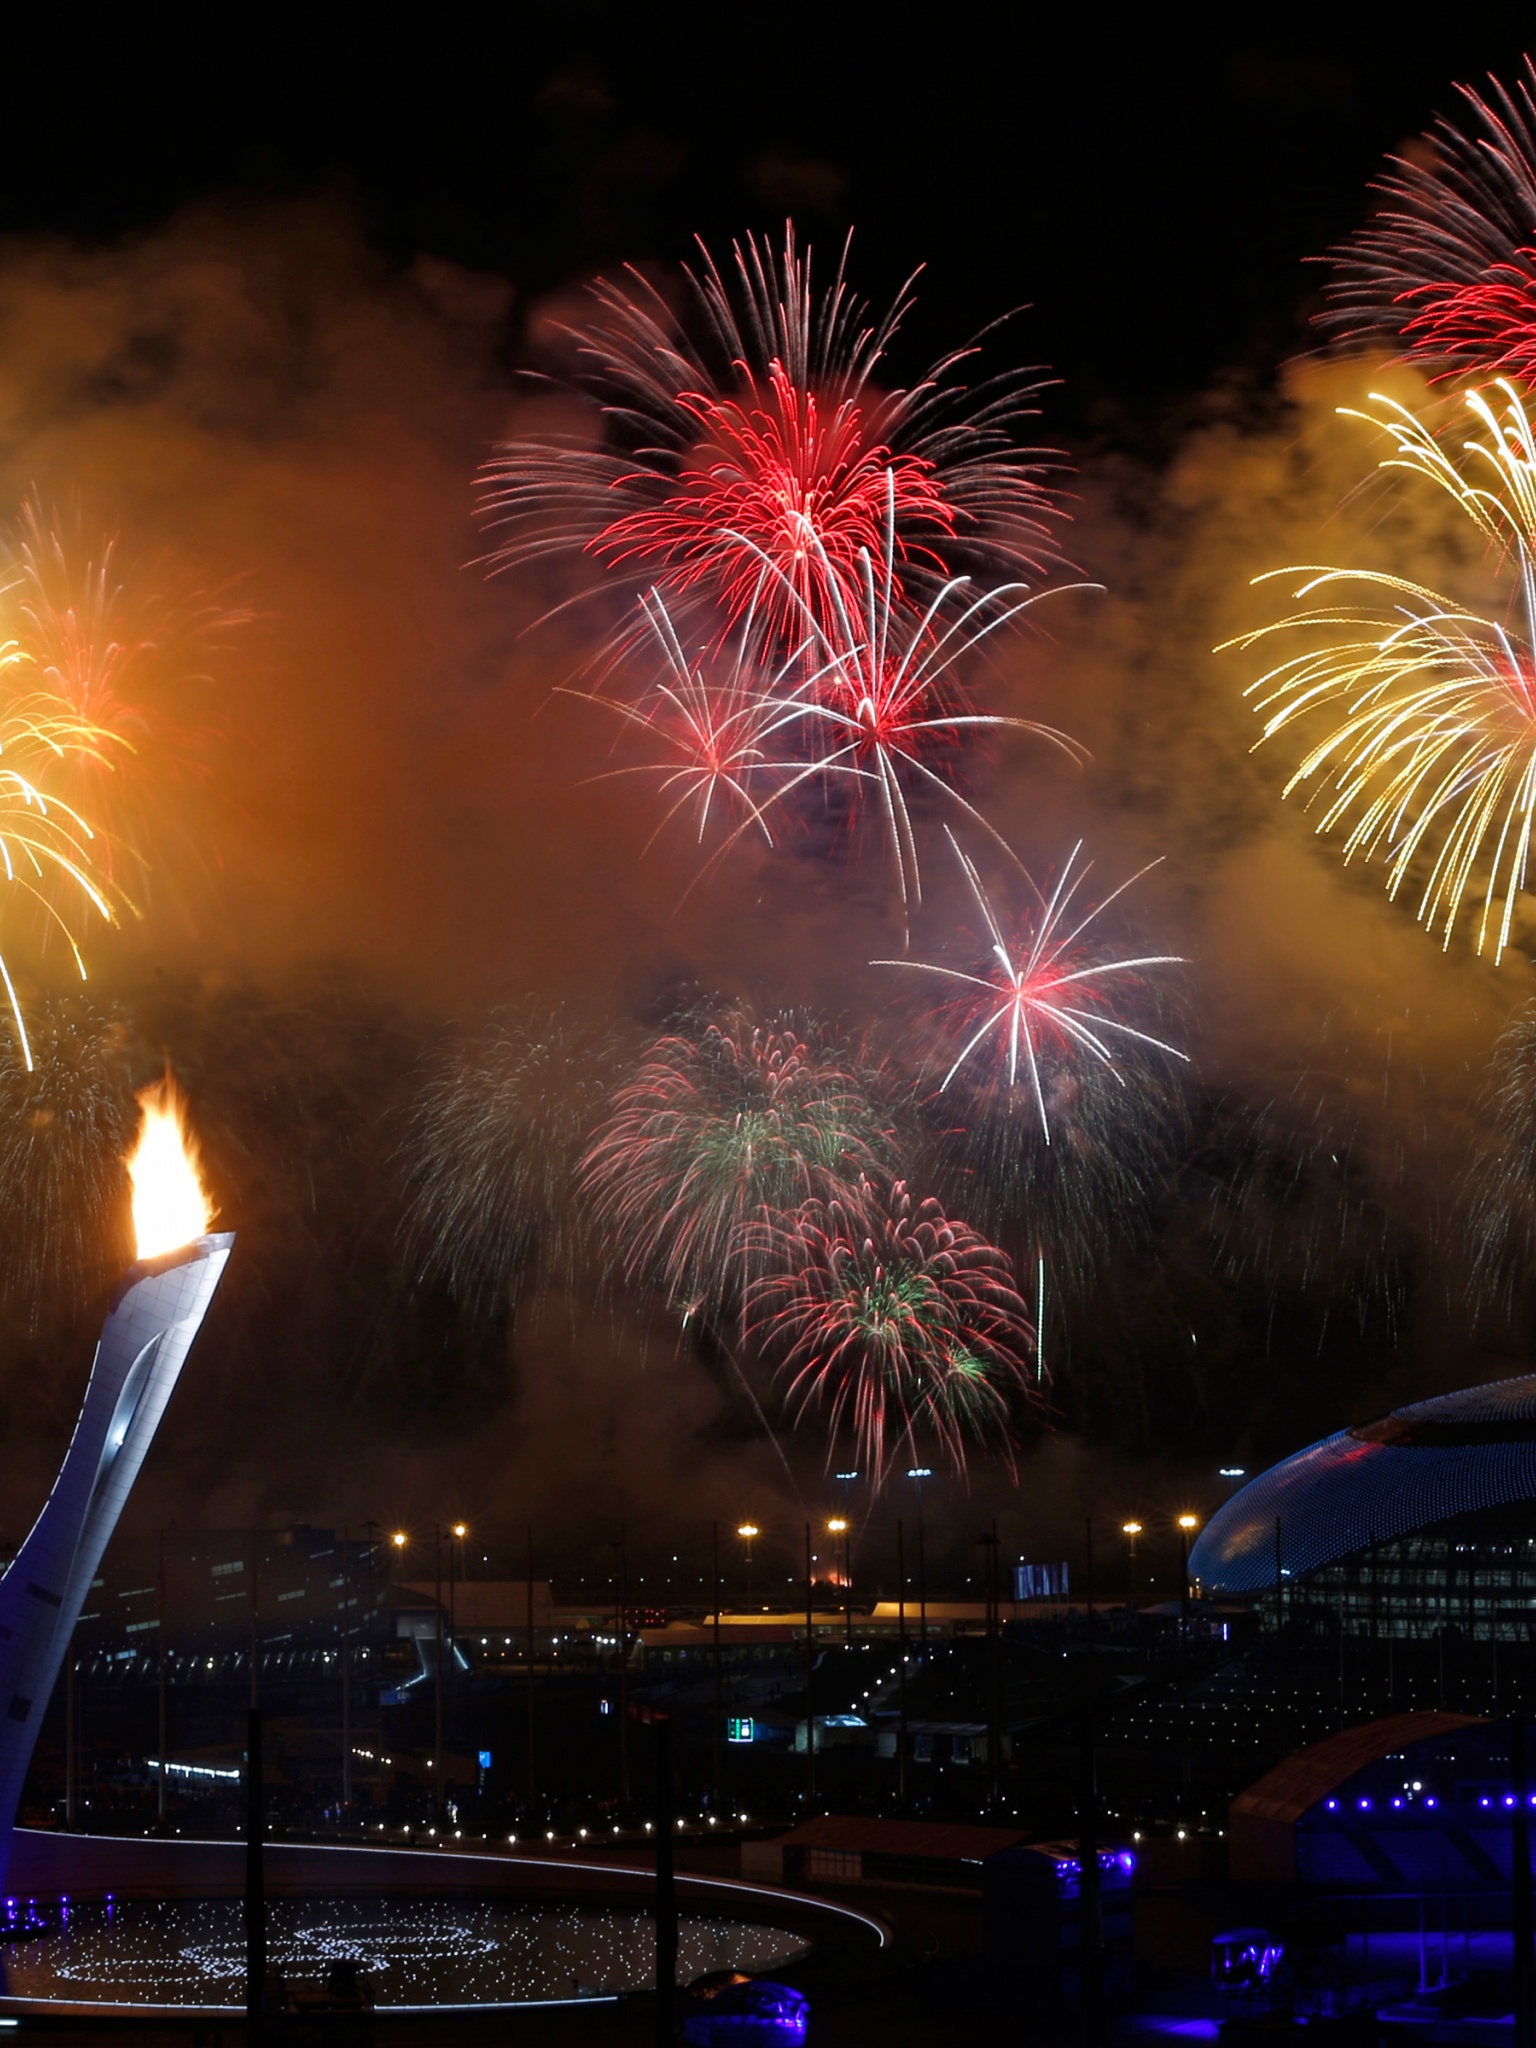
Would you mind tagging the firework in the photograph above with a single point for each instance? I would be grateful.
(770, 439)
(1500, 1188)
(899, 1326)
(49, 874)
(1448, 267)
(112, 655)
(1427, 757)
(1044, 1001)
(717, 1125)
(493, 1143)
(718, 719)
(886, 711)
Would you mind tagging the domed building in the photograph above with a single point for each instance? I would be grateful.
(1421, 1521)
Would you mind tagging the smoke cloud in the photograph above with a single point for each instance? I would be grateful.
(403, 823)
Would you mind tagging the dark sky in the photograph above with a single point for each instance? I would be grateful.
(1149, 183)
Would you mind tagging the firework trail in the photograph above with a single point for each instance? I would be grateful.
(720, 720)
(1447, 269)
(716, 1125)
(1426, 760)
(770, 439)
(885, 712)
(108, 652)
(50, 875)
(491, 1154)
(1499, 1190)
(899, 1325)
(1045, 996)
(874, 718)
(1296, 1203)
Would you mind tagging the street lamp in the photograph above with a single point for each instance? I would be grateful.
(747, 1531)
(840, 1526)
(1132, 1530)
(1187, 1526)
(456, 1533)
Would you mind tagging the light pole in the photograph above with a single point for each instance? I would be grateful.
(456, 1572)
(839, 1526)
(1132, 1530)
(747, 1531)
(1187, 1525)
(920, 1473)
(437, 1674)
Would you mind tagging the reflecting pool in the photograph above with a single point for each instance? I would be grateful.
(408, 1951)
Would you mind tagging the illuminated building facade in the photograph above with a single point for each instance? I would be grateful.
(1420, 1523)
(144, 1343)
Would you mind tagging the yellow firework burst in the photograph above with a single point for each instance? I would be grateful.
(49, 873)
(1424, 712)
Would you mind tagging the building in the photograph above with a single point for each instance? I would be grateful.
(1391, 1821)
(1419, 1523)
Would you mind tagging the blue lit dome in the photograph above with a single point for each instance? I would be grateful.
(1420, 1465)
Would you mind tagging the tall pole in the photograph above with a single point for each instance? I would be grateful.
(848, 1581)
(1520, 1901)
(531, 1778)
(922, 1574)
(69, 1733)
(666, 1889)
(160, 1691)
(714, 1531)
(994, 1716)
(623, 1635)
(901, 1662)
(255, 1881)
(346, 1679)
(255, 1619)
(1184, 1758)
(1090, 1949)
(810, 1670)
(455, 1556)
(437, 1676)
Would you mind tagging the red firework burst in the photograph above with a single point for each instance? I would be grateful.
(900, 1325)
(770, 438)
(885, 708)
(1448, 267)
(776, 478)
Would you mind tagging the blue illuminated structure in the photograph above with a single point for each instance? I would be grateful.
(144, 1341)
(1421, 1465)
(732, 2011)
(1392, 1815)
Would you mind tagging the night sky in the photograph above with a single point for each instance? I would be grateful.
(269, 284)
(1151, 186)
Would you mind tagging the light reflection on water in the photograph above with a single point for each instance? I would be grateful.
(410, 1951)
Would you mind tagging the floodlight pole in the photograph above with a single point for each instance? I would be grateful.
(1521, 1915)
(714, 1531)
(901, 1663)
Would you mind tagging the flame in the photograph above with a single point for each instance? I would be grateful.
(170, 1205)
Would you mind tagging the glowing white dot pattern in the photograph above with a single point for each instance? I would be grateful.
(411, 1952)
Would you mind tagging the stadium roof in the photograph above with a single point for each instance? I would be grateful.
(1297, 1784)
(1417, 1466)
